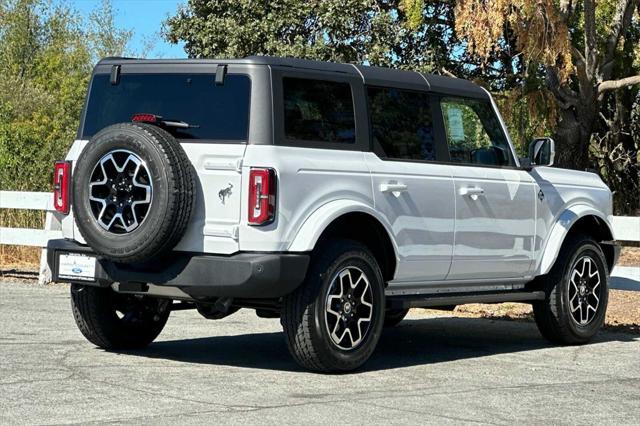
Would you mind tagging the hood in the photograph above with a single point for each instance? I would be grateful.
(575, 178)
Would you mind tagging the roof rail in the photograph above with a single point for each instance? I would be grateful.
(117, 58)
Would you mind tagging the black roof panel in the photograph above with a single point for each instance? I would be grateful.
(378, 76)
(375, 76)
(455, 86)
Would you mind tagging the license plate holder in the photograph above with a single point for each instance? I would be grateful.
(76, 267)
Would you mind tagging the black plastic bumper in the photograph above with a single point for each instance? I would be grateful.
(242, 275)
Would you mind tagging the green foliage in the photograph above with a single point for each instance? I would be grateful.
(46, 56)
(413, 9)
(361, 31)
(104, 39)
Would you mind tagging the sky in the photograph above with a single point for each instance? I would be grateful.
(144, 17)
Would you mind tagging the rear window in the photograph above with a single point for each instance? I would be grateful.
(317, 110)
(401, 124)
(216, 111)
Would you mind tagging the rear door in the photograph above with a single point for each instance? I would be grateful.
(494, 200)
(411, 190)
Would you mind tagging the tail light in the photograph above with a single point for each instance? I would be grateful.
(145, 118)
(262, 196)
(61, 186)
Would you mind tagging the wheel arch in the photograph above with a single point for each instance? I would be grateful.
(577, 219)
(349, 220)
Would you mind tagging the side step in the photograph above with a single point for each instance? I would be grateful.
(404, 302)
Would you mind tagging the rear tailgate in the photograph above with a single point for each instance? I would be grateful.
(216, 218)
(215, 141)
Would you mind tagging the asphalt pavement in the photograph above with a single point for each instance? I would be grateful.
(434, 370)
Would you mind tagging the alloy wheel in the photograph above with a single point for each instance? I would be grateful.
(585, 290)
(120, 191)
(349, 308)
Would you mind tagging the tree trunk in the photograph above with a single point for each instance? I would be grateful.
(573, 134)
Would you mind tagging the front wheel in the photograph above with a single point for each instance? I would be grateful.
(117, 321)
(577, 292)
(333, 321)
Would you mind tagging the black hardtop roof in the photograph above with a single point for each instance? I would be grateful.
(374, 76)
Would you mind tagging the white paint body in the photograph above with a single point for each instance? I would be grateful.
(452, 227)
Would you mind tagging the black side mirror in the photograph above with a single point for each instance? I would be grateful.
(542, 152)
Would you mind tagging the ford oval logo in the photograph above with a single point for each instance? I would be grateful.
(76, 270)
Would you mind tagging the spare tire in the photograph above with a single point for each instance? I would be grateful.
(133, 192)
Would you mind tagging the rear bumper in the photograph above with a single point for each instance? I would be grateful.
(242, 275)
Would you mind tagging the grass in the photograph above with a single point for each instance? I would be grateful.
(19, 257)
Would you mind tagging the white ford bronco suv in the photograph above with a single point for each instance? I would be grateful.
(332, 196)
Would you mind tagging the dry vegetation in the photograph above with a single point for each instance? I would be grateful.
(630, 256)
(18, 257)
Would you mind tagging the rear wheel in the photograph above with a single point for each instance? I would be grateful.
(333, 321)
(117, 321)
(577, 290)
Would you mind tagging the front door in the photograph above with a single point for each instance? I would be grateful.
(494, 200)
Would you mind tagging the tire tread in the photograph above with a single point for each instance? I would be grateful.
(553, 323)
(298, 319)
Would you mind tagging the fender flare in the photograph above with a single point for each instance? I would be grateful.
(561, 228)
(313, 227)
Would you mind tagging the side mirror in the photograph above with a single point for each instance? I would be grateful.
(542, 152)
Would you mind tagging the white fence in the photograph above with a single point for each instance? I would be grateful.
(32, 237)
(624, 228)
(30, 201)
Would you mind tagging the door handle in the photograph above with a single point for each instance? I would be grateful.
(472, 192)
(393, 187)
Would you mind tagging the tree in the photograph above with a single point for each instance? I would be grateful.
(580, 55)
(359, 31)
(103, 37)
(562, 66)
(558, 41)
(46, 57)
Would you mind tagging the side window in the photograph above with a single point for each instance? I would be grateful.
(474, 134)
(317, 110)
(401, 124)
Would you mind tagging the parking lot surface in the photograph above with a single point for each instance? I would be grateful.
(237, 370)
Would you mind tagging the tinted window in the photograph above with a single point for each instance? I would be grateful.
(401, 124)
(474, 134)
(219, 112)
(316, 110)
